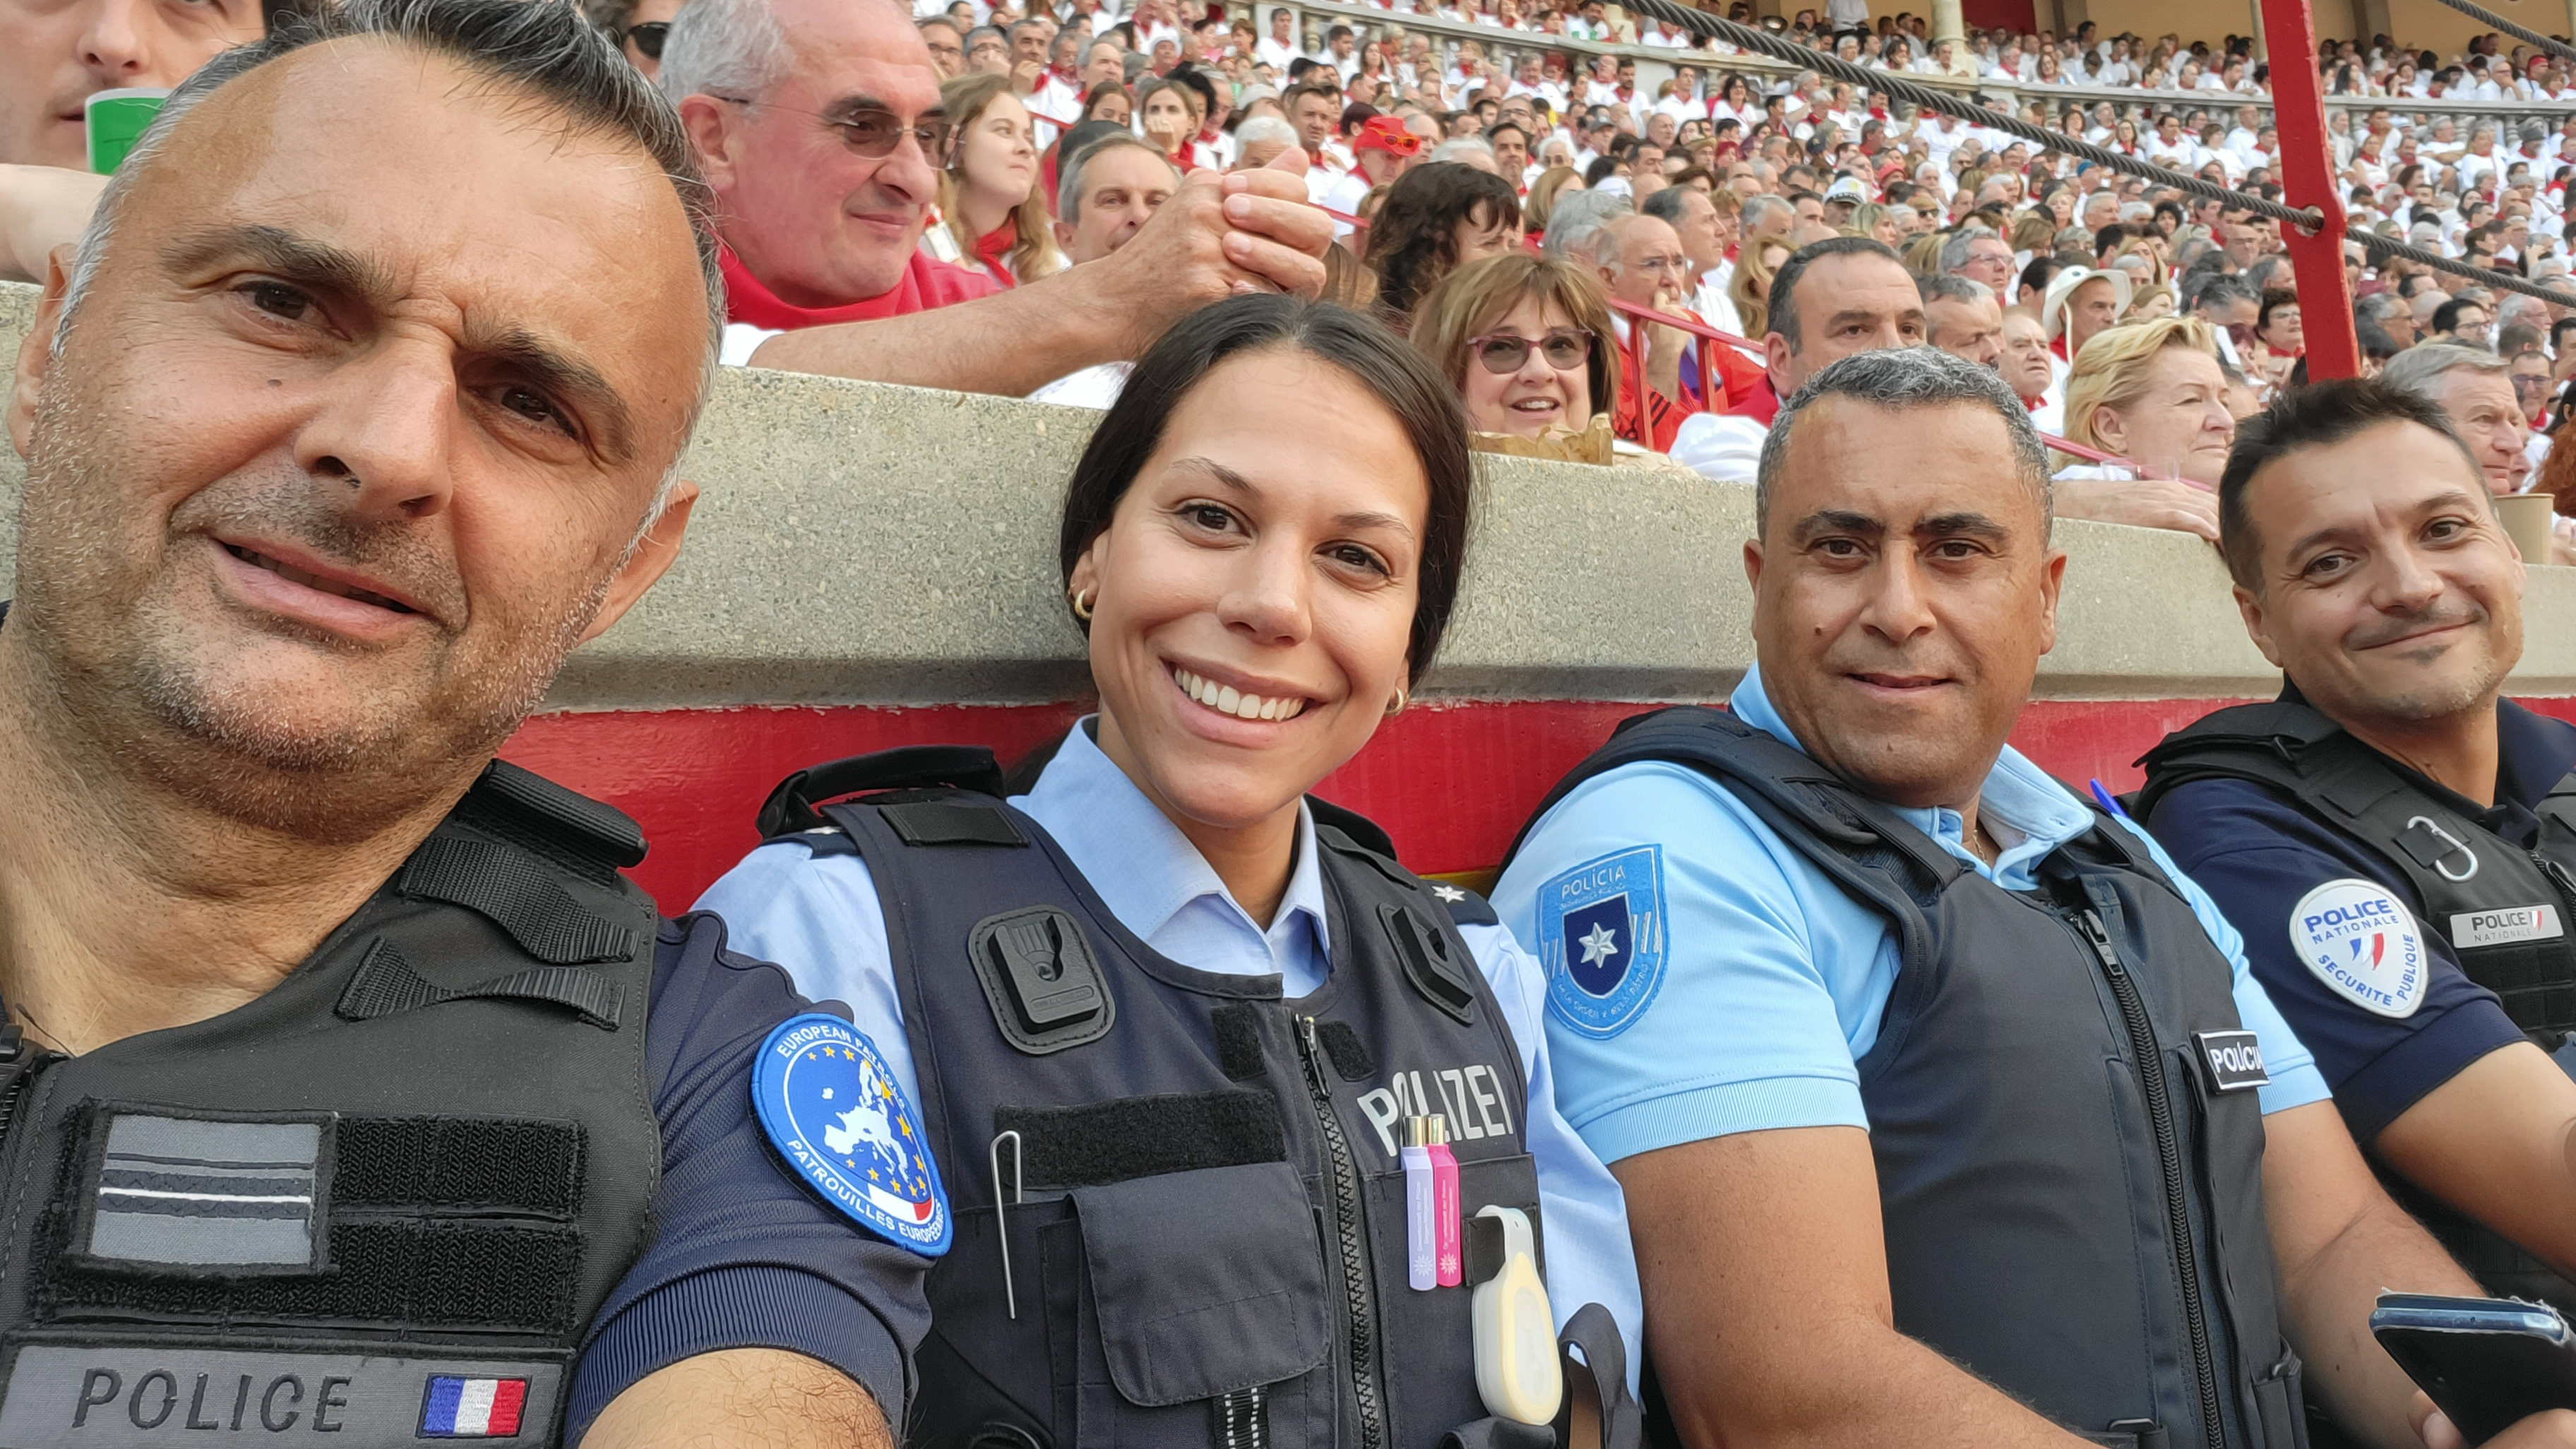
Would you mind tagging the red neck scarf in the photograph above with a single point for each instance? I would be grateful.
(927, 282)
(994, 248)
(1762, 407)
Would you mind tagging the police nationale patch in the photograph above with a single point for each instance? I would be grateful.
(2361, 942)
(1601, 937)
(834, 1111)
(2471, 929)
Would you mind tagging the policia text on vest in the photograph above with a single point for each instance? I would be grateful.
(2092, 1242)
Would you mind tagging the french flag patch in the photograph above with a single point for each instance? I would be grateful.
(462, 1408)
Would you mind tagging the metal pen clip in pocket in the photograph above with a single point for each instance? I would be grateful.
(1002, 1213)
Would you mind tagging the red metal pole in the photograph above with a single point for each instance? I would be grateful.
(2307, 179)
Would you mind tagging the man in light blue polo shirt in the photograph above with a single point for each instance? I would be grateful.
(1947, 1109)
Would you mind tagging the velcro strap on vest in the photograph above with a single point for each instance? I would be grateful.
(1599, 1369)
(951, 822)
(511, 889)
(505, 1164)
(574, 820)
(1105, 1142)
(385, 984)
(450, 1275)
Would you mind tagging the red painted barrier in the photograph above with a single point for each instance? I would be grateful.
(1451, 783)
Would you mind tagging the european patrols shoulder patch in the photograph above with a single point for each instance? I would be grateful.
(834, 1112)
(2362, 942)
(1601, 937)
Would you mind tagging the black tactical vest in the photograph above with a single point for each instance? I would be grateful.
(376, 1206)
(1180, 1216)
(2061, 1106)
(2483, 894)
(2473, 885)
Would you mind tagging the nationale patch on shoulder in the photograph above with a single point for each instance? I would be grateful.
(2361, 941)
(1601, 936)
(834, 1111)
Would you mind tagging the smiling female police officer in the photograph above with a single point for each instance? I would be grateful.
(1166, 1018)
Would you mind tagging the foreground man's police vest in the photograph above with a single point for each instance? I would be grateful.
(2062, 1108)
(2502, 908)
(377, 1205)
(1179, 1210)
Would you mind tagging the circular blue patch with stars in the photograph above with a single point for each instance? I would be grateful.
(835, 1112)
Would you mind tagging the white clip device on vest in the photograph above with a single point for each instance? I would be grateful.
(1517, 1373)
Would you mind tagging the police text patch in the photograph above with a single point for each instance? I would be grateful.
(2233, 1060)
(2504, 927)
(2362, 943)
(833, 1110)
(131, 1392)
(1601, 937)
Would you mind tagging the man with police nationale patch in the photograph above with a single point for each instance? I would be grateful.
(349, 1094)
(2395, 838)
(1947, 1108)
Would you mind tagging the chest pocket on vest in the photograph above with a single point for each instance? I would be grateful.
(1431, 1379)
(1203, 1294)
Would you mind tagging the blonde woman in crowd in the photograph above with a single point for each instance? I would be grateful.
(2149, 303)
(1552, 183)
(1750, 288)
(992, 216)
(2153, 395)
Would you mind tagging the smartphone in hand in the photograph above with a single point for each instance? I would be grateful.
(2487, 1363)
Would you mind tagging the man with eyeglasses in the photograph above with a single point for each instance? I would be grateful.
(987, 49)
(1642, 264)
(946, 42)
(1980, 256)
(818, 126)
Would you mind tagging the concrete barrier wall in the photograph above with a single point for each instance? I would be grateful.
(874, 565)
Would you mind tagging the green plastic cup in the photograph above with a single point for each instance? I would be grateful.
(116, 121)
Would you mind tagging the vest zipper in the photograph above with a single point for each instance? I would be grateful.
(2152, 1081)
(1346, 1228)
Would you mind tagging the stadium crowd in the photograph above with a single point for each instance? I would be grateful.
(1008, 167)
(342, 1063)
(1044, 141)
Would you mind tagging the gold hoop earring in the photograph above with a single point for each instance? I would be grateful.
(1396, 705)
(1081, 601)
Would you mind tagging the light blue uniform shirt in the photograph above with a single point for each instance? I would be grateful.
(818, 916)
(1766, 981)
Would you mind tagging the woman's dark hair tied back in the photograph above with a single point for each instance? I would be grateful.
(1413, 242)
(1383, 366)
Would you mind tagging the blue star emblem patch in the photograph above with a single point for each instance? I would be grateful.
(834, 1111)
(1601, 937)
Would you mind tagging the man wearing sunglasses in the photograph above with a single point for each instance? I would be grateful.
(638, 27)
(818, 125)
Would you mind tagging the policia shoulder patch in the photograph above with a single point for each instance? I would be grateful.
(834, 1111)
